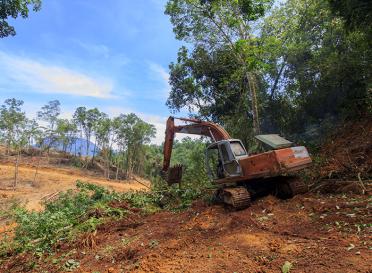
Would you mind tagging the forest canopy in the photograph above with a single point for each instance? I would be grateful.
(253, 66)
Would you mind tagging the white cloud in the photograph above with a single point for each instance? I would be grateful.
(99, 51)
(96, 49)
(48, 78)
(160, 74)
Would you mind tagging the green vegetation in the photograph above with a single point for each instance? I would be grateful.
(15, 8)
(75, 213)
(120, 141)
(72, 214)
(253, 66)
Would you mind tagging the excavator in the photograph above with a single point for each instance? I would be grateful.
(240, 177)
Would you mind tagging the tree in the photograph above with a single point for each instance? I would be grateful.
(49, 113)
(79, 120)
(356, 13)
(103, 134)
(92, 116)
(210, 84)
(11, 118)
(131, 134)
(65, 133)
(33, 132)
(15, 8)
(12, 125)
(317, 69)
(87, 120)
(221, 24)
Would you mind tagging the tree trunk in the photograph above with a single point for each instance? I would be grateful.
(36, 172)
(81, 146)
(94, 150)
(16, 170)
(108, 166)
(128, 165)
(254, 103)
(117, 172)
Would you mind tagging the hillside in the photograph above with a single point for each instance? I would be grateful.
(51, 180)
(314, 232)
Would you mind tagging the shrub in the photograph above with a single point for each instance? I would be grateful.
(71, 214)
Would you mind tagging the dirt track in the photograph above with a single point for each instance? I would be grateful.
(314, 233)
(51, 180)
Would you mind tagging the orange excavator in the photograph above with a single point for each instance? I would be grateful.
(239, 176)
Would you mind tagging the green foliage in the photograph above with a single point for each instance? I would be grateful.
(191, 154)
(65, 132)
(132, 134)
(74, 213)
(65, 218)
(287, 266)
(215, 27)
(15, 8)
(319, 70)
(212, 84)
(195, 181)
(356, 13)
(15, 128)
(310, 62)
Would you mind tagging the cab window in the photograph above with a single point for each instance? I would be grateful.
(237, 148)
(225, 154)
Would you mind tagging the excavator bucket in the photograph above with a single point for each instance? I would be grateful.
(174, 175)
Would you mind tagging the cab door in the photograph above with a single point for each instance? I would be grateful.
(230, 164)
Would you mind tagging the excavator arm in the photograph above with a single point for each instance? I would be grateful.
(194, 127)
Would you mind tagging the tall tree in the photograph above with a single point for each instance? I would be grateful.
(65, 131)
(317, 69)
(356, 13)
(12, 128)
(11, 118)
(131, 134)
(49, 113)
(87, 120)
(216, 24)
(15, 8)
(79, 119)
(92, 116)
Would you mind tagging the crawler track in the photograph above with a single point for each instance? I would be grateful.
(238, 197)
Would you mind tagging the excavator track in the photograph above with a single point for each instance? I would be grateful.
(290, 187)
(237, 197)
(297, 186)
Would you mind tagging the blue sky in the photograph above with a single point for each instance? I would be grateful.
(113, 55)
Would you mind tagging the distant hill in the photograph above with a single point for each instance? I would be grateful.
(78, 147)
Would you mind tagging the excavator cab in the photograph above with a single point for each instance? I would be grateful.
(222, 158)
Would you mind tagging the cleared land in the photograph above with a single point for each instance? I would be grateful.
(315, 233)
(50, 180)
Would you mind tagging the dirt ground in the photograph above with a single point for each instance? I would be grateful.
(322, 233)
(50, 180)
(315, 233)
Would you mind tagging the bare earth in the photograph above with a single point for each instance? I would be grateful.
(315, 233)
(51, 180)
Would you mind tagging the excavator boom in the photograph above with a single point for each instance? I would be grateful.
(195, 127)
